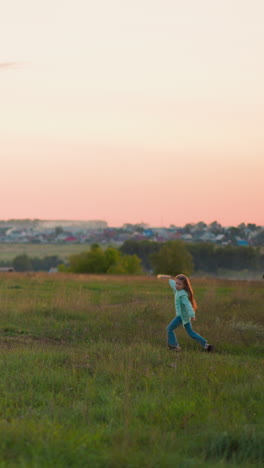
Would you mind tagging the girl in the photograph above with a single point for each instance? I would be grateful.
(185, 306)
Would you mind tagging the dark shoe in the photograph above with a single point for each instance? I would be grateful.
(209, 348)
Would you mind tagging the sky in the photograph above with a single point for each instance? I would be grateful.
(132, 111)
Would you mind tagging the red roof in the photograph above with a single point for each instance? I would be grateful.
(71, 239)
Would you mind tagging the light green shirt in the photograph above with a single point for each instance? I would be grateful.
(183, 306)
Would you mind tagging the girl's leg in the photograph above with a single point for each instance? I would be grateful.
(172, 340)
(194, 335)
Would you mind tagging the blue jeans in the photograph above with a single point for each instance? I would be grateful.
(172, 340)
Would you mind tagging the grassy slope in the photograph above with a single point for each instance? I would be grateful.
(9, 251)
(87, 380)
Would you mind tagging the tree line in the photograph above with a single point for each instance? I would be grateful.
(192, 257)
(24, 262)
(151, 257)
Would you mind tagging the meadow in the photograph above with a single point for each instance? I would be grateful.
(87, 379)
(8, 251)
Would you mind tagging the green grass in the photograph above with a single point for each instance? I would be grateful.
(87, 380)
(9, 251)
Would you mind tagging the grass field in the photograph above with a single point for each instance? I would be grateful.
(9, 251)
(87, 379)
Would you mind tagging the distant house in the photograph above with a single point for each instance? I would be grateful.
(219, 239)
(187, 237)
(71, 239)
(242, 243)
(148, 232)
(138, 236)
(173, 235)
(207, 237)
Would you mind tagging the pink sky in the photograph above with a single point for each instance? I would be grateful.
(150, 111)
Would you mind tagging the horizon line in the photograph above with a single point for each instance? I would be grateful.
(124, 223)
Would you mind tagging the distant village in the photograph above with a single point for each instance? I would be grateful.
(82, 232)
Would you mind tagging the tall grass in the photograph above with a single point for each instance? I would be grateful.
(87, 380)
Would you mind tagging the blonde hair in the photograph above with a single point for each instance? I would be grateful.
(188, 288)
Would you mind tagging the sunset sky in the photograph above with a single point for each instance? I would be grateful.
(132, 111)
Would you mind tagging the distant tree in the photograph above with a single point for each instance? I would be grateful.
(188, 228)
(46, 263)
(5, 264)
(261, 262)
(22, 263)
(201, 225)
(237, 258)
(233, 232)
(131, 264)
(128, 227)
(215, 227)
(138, 227)
(203, 255)
(172, 259)
(58, 230)
(26, 263)
(112, 257)
(126, 265)
(92, 261)
(258, 238)
(143, 249)
(252, 226)
(110, 261)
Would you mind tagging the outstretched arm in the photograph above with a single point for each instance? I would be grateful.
(172, 284)
(163, 276)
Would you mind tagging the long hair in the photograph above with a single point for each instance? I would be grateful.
(188, 288)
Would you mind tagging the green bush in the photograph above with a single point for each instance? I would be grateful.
(109, 261)
(172, 259)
